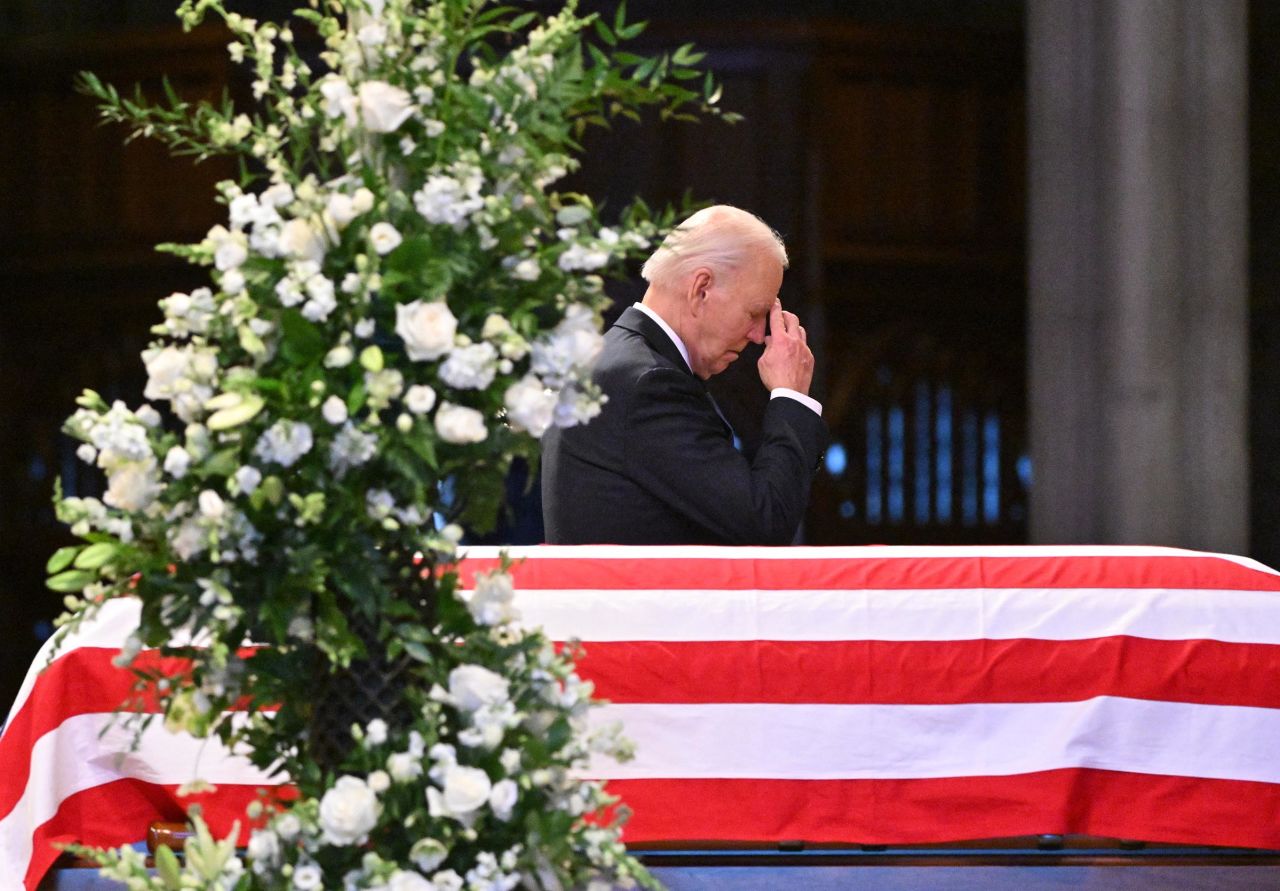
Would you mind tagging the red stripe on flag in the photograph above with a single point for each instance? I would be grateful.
(80, 681)
(933, 672)
(927, 811)
(120, 812)
(891, 573)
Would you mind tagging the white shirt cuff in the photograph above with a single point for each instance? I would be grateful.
(807, 401)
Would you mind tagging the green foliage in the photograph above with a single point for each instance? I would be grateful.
(399, 305)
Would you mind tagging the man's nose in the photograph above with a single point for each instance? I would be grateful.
(756, 334)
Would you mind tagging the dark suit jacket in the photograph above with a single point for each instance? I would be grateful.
(658, 465)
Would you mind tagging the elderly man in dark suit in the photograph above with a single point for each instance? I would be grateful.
(658, 466)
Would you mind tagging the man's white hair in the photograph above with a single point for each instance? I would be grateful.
(722, 238)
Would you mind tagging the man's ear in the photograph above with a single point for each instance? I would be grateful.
(696, 296)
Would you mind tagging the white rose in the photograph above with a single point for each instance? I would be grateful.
(132, 486)
(403, 880)
(448, 880)
(491, 602)
(372, 34)
(495, 326)
(211, 505)
(300, 240)
(385, 238)
(376, 732)
(379, 781)
(465, 790)
(426, 328)
(383, 108)
(187, 540)
(530, 405)
(348, 810)
(288, 826)
(419, 399)
(502, 798)
(341, 208)
(473, 687)
(526, 270)
(572, 215)
(362, 200)
(339, 100)
(459, 424)
(428, 853)
(147, 415)
(247, 479)
(307, 877)
(233, 281)
(176, 462)
(334, 410)
(231, 253)
(403, 767)
(264, 845)
(339, 357)
(277, 195)
(165, 368)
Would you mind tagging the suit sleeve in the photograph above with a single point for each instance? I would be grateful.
(676, 449)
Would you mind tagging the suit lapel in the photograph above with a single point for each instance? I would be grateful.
(636, 321)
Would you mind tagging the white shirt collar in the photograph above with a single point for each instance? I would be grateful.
(675, 338)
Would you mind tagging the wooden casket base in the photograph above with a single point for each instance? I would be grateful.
(1032, 862)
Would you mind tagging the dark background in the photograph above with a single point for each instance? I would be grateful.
(884, 140)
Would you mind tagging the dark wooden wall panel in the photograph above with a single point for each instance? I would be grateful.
(79, 276)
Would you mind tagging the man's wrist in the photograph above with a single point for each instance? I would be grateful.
(807, 401)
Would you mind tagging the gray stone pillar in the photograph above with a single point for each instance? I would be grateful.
(1137, 271)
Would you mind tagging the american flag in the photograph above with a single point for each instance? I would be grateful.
(873, 695)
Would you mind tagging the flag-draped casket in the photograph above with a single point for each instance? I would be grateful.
(832, 695)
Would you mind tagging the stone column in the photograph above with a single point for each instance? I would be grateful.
(1137, 271)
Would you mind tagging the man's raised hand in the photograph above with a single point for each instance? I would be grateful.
(787, 360)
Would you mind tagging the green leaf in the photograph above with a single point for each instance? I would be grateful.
(685, 55)
(632, 31)
(96, 555)
(409, 258)
(425, 448)
(70, 582)
(620, 17)
(355, 399)
(521, 20)
(644, 69)
(417, 651)
(605, 34)
(301, 342)
(61, 559)
(223, 462)
(168, 869)
(496, 13)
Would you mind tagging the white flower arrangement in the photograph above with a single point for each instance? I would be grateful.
(400, 305)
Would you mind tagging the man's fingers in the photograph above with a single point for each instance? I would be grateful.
(777, 324)
(804, 338)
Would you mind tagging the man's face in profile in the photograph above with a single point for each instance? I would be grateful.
(735, 312)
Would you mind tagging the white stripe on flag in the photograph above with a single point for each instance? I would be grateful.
(851, 552)
(930, 614)
(109, 627)
(824, 742)
(79, 755)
